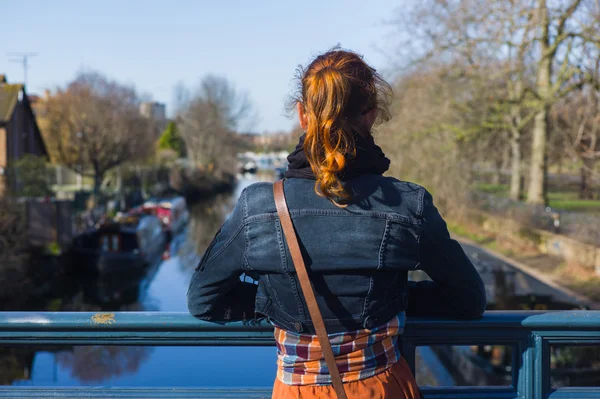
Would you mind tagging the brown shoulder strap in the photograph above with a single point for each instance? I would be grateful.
(307, 290)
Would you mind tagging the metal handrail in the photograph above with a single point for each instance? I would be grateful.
(530, 334)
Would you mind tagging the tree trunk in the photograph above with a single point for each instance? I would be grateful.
(537, 174)
(506, 153)
(516, 154)
(516, 186)
(98, 177)
(97, 184)
(586, 190)
(497, 176)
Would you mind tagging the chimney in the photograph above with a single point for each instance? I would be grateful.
(3, 78)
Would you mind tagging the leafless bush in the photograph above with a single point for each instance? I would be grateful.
(14, 255)
(419, 142)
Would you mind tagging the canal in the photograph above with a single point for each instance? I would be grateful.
(163, 286)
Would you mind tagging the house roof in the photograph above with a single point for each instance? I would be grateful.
(9, 96)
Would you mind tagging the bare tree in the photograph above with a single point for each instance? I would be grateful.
(566, 33)
(96, 125)
(209, 118)
(544, 45)
(577, 118)
(426, 135)
(518, 31)
(487, 41)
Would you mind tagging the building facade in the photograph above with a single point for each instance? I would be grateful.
(154, 110)
(19, 132)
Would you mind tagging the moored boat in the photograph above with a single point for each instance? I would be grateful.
(172, 213)
(121, 245)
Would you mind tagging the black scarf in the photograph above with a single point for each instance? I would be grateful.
(369, 160)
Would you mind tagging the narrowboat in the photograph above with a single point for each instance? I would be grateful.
(172, 213)
(121, 245)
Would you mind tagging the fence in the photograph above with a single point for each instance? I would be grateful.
(529, 334)
(49, 222)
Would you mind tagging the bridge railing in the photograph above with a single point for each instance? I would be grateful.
(529, 334)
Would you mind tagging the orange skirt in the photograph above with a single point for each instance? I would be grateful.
(397, 382)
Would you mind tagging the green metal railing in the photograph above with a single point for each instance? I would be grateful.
(529, 334)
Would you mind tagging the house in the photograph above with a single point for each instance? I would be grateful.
(19, 132)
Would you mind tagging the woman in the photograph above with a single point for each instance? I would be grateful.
(360, 234)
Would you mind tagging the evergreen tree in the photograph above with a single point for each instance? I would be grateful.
(171, 140)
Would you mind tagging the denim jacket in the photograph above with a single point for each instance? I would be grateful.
(358, 258)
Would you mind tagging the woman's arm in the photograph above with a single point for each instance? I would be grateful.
(457, 290)
(216, 291)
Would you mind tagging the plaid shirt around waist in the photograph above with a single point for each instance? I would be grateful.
(359, 354)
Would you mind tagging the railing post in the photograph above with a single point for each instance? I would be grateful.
(535, 371)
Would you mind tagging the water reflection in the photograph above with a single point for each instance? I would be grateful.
(161, 286)
(15, 364)
(101, 363)
(86, 363)
(111, 293)
(206, 218)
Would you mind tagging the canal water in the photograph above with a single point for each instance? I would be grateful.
(163, 288)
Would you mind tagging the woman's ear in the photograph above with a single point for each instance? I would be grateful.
(302, 118)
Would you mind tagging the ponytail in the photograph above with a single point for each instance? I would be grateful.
(328, 142)
(336, 89)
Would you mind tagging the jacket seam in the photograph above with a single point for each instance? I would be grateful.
(246, 264)
(284, 264)
(245, 204)
(367, 214)
(419, 243)
(383, 244)
(421, 203)
(423, 226)
(273, 290)
(367, 300)
(379, 266)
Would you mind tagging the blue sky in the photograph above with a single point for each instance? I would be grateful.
(154, 44)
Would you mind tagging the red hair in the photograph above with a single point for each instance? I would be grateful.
(336, 90)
